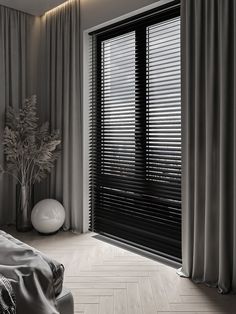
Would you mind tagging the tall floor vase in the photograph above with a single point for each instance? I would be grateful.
(24, 204)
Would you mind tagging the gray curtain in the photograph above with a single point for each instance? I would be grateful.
(17, 51)
(209, 141)
(59, 98)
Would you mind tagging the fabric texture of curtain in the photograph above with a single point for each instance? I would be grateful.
(59, 98)
(209, 142)
(17, 51)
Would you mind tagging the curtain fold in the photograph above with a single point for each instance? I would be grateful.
(209, 142)
(17, 48)
(59, 97)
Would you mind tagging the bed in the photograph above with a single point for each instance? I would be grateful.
(30, 282)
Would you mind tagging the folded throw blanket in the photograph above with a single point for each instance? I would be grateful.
(35, 279)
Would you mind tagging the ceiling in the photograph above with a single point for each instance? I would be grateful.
(34, 7)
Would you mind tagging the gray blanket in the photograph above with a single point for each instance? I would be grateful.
(33, 277)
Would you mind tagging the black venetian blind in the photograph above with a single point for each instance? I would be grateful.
(135, 143)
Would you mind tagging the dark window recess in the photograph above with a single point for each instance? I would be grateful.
(135, 140)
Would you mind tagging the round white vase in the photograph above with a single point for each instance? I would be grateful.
(48, 216)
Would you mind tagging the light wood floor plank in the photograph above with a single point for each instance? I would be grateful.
(91, 309)
(92, 292)
(133, 299)
(87, 300)
(106, 305)
(100, 279)
(120, 301)
(146, 296)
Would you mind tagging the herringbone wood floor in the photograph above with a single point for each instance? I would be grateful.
(106, 279)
